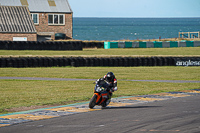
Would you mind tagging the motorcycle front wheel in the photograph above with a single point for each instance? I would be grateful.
(93, 101)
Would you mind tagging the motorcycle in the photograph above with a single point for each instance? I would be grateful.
(101, 95)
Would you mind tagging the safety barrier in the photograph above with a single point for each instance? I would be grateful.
(93, 44)
(155, 44)
(34, 45)
(49, 45)
(19, 62)
(79, 45)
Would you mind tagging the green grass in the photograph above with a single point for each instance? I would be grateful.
(140, 73)
(24, 93)
(21, 93)
(185, 51)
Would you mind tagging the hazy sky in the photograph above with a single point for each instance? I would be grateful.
(135, 8)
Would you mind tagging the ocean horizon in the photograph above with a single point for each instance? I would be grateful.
(114, 28)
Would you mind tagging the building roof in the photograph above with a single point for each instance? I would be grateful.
(52, 6)
(16, 19)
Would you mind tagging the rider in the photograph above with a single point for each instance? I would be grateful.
(110, 78)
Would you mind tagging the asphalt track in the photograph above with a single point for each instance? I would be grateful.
(177, 112)
(69, 79)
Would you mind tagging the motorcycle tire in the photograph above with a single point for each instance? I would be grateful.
(93, 102)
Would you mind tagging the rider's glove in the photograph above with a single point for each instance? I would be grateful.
(115, 89)
(97, 81)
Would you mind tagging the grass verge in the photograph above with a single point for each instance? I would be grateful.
(181, 51)
(137, 73)
(25, 93)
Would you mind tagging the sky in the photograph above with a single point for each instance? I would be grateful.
(135, 8)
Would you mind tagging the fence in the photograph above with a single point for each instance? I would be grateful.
(189, 34)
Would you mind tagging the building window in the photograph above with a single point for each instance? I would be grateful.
(35, 18)
(56, 19)
(50, 21)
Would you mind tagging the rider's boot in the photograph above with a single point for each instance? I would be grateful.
(109, 98)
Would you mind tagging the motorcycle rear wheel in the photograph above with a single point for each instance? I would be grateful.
(93, 102)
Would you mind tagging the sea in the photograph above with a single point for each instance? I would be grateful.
(102, 29)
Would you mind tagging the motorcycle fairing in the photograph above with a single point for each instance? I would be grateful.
(101, 98)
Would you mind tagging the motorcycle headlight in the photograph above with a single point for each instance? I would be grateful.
(98, 89)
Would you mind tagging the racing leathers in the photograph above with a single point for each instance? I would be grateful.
(112, 87)
(112, 84)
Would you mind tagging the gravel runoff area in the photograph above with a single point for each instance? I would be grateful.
(70, 79)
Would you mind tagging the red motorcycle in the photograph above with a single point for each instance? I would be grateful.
(101, 95)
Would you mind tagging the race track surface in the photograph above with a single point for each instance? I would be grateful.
(177, 112)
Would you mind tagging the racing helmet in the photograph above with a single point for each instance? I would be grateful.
(110, 76)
